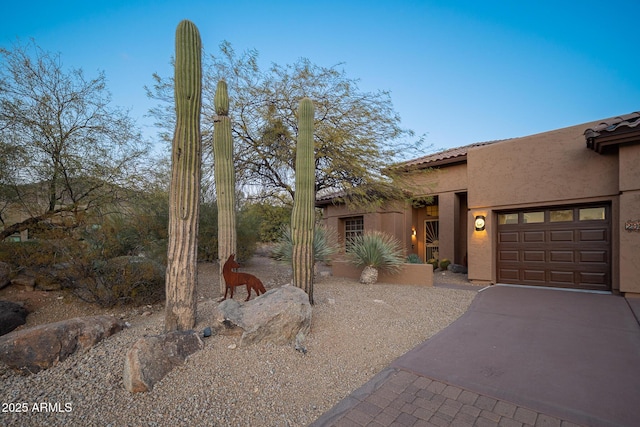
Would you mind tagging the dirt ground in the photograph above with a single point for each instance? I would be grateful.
(53, 306)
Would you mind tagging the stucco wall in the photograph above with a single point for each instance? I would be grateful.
(551, 167)
(394, 220)
(410, 274)
(452, 178)
(629, 216)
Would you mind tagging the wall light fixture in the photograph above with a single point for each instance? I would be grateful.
(480, 222)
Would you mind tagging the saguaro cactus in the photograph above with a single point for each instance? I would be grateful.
(184, 197)
(225, 178)
(303, 214)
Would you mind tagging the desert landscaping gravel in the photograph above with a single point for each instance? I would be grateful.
(356, 331)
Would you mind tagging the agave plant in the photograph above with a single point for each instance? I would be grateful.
(375, 251)
(324, 244)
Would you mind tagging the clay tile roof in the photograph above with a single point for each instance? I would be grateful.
(609, 133)
(452, 155)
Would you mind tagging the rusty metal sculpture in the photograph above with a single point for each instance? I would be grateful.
(233, 279)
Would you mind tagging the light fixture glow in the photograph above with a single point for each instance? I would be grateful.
(480, 222)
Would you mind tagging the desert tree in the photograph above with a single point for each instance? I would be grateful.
(66, 150)
(358, 134)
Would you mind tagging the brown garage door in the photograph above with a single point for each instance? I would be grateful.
(568, 247)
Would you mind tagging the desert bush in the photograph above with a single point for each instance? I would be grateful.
(414, 259)
(433, 262)
(444, 263)
(378, 251)
(325, 244)
(121, 280)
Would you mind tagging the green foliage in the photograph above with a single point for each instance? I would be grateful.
(208, 232)
(66, 152)
(434, 262)
(444, 263)
(124, 280)
(378, 250)
(414, 259)
(358, 134)
(325, 245)
(269, 220)
(247, 238)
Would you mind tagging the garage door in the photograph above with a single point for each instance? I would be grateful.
(568, 247)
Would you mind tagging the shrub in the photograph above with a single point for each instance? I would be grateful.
(118, 281)
(324, 244)
(444, 264)
(433, 262)
(414, 259)
(378, 250)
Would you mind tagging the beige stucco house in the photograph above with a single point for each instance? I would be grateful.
(557, 209)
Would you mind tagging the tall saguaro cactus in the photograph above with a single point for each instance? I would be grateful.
(303, 214)
(184, 197)
(225, 178)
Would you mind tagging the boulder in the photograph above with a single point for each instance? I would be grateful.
(34, 349)
(457, 268)
(153, 357)
(5, 274)
(280, 316)
(12, 315)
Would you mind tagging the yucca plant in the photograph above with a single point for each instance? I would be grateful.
(324, 245)
(375, 250)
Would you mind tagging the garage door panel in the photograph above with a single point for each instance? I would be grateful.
(562, 277)
(509, 237)
(509, 274)
(533, 256)
(509, 256)
(561, 256)
(561, 235)
(601, 257)
(533, 236)
(598, 235)
(593, 278)
(530, 276)
(568, 251)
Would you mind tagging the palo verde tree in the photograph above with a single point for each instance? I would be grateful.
(184, 191)
(65, 149)
(357, 133)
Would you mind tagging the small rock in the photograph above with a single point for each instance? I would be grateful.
(12, 315)
(27, 282)
(5, 274)
(146, 313)
(206, 332)
(232, 346)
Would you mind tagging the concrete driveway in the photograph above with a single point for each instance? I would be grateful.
(555, 356)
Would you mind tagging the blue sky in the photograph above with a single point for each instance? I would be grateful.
(458, 71)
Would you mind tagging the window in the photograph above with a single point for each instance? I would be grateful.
(532, 217)
(561, 215)
(587, 214)
(432, 210)
(353, 227)
(511, 218)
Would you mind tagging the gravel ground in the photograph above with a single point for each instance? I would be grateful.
(357, 330)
